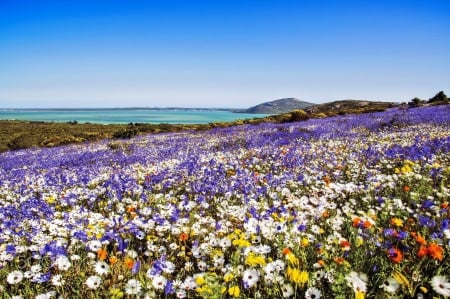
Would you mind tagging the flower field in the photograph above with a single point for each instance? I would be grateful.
(353, 206)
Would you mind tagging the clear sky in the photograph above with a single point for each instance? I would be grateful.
(220, 53)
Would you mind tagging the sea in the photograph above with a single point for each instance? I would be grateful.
(126, 115)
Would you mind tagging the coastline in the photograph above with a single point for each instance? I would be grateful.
(126, 115)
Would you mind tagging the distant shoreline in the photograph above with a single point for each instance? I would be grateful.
(234, 110)
(172, 115)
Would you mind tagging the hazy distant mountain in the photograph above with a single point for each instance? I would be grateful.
(279, 106)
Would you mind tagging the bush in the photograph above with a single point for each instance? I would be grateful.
(439, 97)
(128, 133)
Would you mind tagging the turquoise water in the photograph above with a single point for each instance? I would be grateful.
(124, 116)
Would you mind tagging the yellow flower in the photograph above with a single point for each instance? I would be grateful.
(359, 241)
(199, 280)
(51, 199)
(228, 277)
(360, 295)
(297, 276)
(397, 222)
(292, 258)
(304, 242)
(241, 243)
(253, 260)
(234, 291)
(116, 294)
(204, 290)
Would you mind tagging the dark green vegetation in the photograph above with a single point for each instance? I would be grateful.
(439, 98)
(16, 135)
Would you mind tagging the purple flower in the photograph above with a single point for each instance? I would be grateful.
(427, 204)
(136, 267)
(168, 289)
(10, 249)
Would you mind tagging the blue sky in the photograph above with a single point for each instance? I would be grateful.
(220, 53)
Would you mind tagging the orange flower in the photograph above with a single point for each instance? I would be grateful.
(326, 214)
(406, 188)
(113, 260)
(356, 221)
(435, 251)
(184, 237)
(395, 255)
(339, 260)
(422, 251)
(321, 262)
(367, 224)
(286, 251)
(444, 205)
(327, 180)
(129, 263)
(421, 240)
(102, 254)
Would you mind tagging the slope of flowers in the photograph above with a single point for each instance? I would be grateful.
(347, 206)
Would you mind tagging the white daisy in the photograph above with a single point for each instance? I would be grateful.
(181, 294)
(48, 295)
(250, 277)
(313, 293)
(188, 266)
(36, 268)
(391, 285)
(441, 285)
(168, 267)
(75, 257)
(357, 281)
(57, 280)
(94, 245)
(101, 268)
(189, 284)
(270, 269)
(159, 282)
(225, 243)
(287, 290)
(132, 253)
(93, 282)
(133, 287)
(14, 277)
(62, 263)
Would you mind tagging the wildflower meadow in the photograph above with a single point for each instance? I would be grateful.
(351, 206)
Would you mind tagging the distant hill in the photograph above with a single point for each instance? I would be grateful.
(348, 106)
(278, 106)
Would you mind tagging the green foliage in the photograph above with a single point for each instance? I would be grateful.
(126, 133)
(299, 115)
(439, 97)
(415, 102)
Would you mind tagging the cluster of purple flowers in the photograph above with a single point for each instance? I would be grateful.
(296, 209)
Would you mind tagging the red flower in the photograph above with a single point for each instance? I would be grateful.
(422, 251)
(184, 237)
(395, 255)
